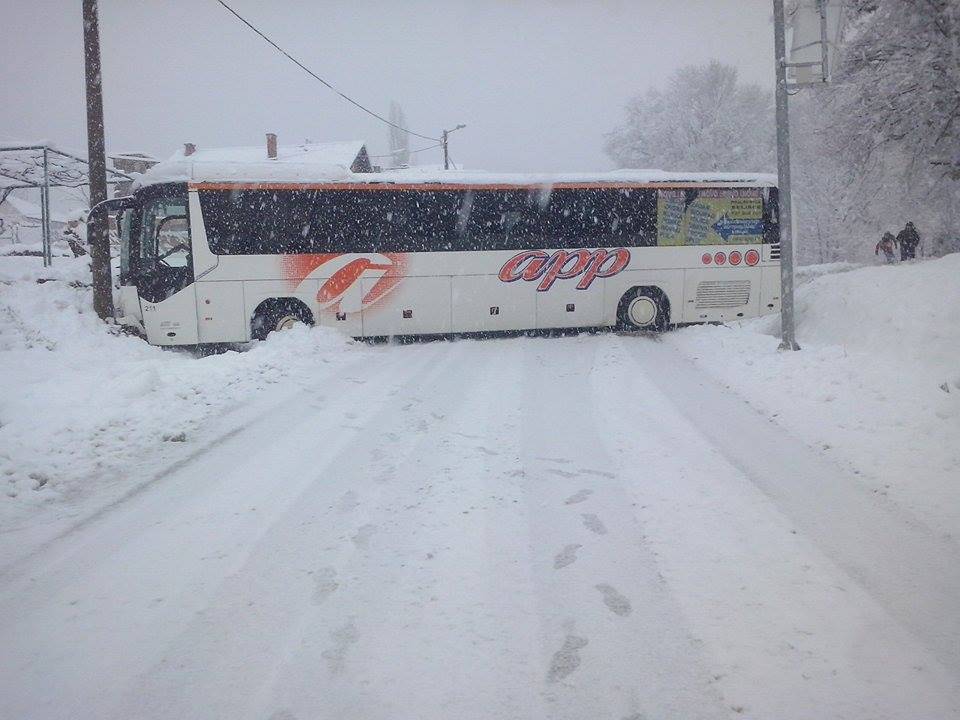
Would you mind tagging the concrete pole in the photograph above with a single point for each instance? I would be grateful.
(98, 236)
(787, 339)
(45, 211)
(446, 155)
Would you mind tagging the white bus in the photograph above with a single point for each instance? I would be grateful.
(216, 260)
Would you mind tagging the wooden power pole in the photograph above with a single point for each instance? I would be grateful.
(97, 229)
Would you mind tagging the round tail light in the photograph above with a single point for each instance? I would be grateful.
(735, 257)
(706, 258)
(752, 257)
(720, 258)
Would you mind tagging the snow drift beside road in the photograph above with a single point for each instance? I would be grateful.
(81, 403)
(907, 311)
(876, 384)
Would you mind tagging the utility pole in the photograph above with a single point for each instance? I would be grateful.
(787, 337)
(97, 229)
(443, 142)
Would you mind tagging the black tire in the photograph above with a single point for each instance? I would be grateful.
(278, 314)
(644, 308)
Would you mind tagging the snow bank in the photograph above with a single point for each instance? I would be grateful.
(80, 402)
(907, 312)
(877, 383)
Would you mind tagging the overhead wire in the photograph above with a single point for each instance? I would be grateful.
(324, 82)
(412, 152)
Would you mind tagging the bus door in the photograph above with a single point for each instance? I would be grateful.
(161, 268)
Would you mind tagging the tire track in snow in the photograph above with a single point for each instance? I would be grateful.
(311, 526)
(768, 607)
(208, 501)
(445, 604)
(836, 512)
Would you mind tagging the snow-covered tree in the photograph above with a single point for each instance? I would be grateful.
(876, 147)
(399, 140)
(898, 82)
(704, 119)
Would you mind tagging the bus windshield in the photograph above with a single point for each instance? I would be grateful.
(124, 221)
(165, 233)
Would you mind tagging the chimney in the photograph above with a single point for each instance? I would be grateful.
(271, 146)
(189, 149)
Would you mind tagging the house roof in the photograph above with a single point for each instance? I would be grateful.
(332, 153)
(31, 211)
(309, 160)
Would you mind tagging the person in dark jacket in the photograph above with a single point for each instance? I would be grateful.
(909, 239)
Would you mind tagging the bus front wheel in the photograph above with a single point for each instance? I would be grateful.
(644, 308)
(278, 314)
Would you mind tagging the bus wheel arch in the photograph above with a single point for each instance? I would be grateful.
(278, 314)
(644, 307)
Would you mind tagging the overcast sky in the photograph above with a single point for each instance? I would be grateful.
(537, 82)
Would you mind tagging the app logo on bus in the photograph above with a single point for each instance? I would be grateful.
(547, 268)
(340, 272)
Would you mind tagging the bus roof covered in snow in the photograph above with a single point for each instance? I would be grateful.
(329, 164)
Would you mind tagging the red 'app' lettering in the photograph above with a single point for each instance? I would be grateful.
(588, 265)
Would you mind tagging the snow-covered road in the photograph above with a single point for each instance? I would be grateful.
(578, 527)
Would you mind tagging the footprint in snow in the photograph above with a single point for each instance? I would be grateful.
(616, 602)
(487, 451)
(282, 715)
(348, 502)
(562, 473)
(469, 437)
(578, 497)
(598, 473)
(567, 556)
(362, 537)
(343, 638)
(325, 582)
(567, 659)
(594, 524)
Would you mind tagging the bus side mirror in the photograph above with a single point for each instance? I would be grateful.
(114, 205)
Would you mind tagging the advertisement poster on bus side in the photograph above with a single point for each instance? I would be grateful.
(712, 216)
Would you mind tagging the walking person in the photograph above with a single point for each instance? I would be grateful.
(888, 243)
(909, 239)
(74, 239)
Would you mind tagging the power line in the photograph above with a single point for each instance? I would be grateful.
(317, 77)
(420, 150)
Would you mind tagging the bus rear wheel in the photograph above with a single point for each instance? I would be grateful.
(278, 314)
(644, 308)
